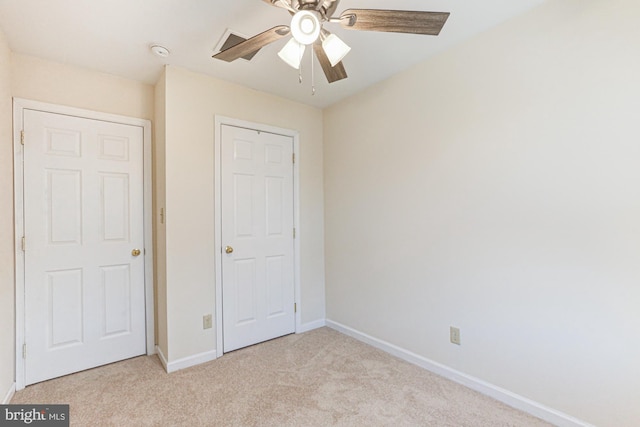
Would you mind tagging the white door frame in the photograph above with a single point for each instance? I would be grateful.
(219, 121)
(19, 106)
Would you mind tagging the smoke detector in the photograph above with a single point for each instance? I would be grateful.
(160, 51)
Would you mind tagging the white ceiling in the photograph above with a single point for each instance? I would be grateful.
(114, 36)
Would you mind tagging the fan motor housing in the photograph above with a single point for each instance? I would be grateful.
(328, 6)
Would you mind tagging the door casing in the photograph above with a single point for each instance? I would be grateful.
(222, 120)
(19, 106)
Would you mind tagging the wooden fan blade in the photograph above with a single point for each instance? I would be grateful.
(394, 21)
(333, 74)
(253, 44)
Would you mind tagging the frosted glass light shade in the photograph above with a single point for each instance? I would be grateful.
(292, 53)
(306, 26)
(335, 49)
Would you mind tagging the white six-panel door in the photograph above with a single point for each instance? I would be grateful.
(257, 236)
(84, 283)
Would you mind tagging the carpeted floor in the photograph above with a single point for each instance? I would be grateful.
(320, 378)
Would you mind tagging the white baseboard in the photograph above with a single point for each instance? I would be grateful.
(505, 396)
(186, 362)
(309, 326)
(9, 395)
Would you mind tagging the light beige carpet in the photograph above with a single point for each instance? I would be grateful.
(320, 378)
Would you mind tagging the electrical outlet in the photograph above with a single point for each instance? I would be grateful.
(454, 335)
(207, 321)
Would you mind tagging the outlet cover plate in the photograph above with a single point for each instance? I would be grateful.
(454, 335)
(207, 321)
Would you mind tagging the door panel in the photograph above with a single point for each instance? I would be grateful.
(83, 200)
(64, 213)
(257, 222)
(275, 282)
(116, 304)
(65, 308)
(114, 201)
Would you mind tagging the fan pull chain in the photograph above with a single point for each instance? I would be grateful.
(313, 76)
(300, 67)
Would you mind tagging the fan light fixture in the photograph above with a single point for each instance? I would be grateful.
(335, 49)
(308, 18)
(292, 53)
(306, 26)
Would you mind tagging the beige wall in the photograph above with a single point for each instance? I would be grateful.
(159, 230)
(496, 188)
(192, 101)
(7, 298)
(41, 80)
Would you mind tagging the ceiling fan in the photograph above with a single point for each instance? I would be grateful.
(308, 18)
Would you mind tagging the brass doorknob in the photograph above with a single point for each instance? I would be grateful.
(228, 249)
(136, 252)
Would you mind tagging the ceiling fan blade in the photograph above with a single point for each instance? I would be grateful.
(333, 74)
(394, 21)
(253, 44)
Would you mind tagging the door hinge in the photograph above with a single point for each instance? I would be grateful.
(295, 307)
(293, 158)
(294, 232)
(24, 350)
(24, 244)
(22, 137)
